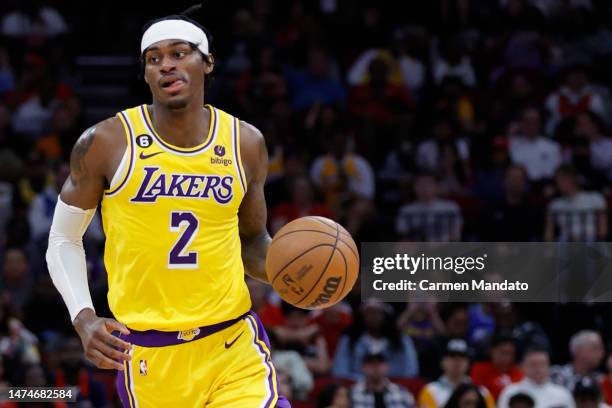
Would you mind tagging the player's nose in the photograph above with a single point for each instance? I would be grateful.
(167, 65)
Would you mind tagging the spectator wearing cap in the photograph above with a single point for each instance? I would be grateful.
(587, 394)
(537, 383)
(539, 155)
(500, 370)
(521, 400)
(577, 215)
(375, 331)
(587, 350)
(455, 366)
(375, 389)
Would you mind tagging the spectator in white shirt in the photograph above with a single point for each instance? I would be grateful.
(576, 215)
(537, 384)
(540, 156)
(429, 218)
(587, 351)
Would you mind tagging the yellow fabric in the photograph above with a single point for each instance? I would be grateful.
(157, 278)
(426, 399)
(204, 373)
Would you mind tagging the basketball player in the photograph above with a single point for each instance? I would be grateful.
(182, 200)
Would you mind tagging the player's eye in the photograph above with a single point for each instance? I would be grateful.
(154, 59)
(180, 54)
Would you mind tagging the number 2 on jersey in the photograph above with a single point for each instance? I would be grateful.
(179, 258)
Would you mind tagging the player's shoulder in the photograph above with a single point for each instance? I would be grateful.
(100, 141)
(250, 136)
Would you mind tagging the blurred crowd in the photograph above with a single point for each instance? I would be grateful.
(447, 120)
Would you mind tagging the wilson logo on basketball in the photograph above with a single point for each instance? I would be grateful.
(331, 287)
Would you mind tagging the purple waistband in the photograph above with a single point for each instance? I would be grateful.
(155, 338)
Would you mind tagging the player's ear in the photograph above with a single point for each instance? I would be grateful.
(210, 64)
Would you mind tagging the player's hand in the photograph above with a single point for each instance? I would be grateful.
(102, 348)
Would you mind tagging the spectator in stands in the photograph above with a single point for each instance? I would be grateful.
(430, 151)
(298, 378)
(17, 280)
(540, 156)
(375, 331)
(489, 178)
(515, 217)
(500, 370)
(303, 202)
(589, 129)
(577, 215)
(455, 365)
(587, 350)
(421, 321)
(7, 78)
(466, 396)
(537, 384)
(318, 83)
(587, 394)
(574, 96)
(43, 204)
(33, 22)
(453, 61)
(429, 218)
(334, 396)
(347, 182)
(379, 99)
(521, 400)
(305, 338)
(526, 333)
(333, 321)
(375, 389)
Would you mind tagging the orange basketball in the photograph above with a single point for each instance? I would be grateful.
(312, 262)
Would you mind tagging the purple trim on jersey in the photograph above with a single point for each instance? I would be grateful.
(131, 147)
(155, 338)
(121, 389)
(236, 154)
(213, 133)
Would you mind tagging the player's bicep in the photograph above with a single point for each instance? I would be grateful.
(84, 186)
(253, 213)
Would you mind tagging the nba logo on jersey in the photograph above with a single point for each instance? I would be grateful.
(143, 367)
(219, 150)
(188, 335)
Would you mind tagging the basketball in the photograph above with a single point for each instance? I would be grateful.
(312, 262)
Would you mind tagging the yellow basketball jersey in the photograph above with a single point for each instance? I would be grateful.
(173, 252)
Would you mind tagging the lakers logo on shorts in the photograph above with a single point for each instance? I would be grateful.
(188, 335)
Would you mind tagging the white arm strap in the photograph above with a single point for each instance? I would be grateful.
(66, 256)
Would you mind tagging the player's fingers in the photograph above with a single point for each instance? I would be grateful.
(115, 325)
(101, 361)
(108, 351)
(108, 338)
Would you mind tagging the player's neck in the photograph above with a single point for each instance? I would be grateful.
(186, 127)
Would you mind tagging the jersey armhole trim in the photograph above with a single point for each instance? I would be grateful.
(237, 154)
(129, 152)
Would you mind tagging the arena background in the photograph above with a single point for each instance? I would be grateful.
(473, 120)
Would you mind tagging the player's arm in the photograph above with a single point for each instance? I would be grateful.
(252, 215)
(90, 164)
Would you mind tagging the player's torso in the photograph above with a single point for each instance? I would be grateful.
(173, 251)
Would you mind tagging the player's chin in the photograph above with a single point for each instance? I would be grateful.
(176, 102)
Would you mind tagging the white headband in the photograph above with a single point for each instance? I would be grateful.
(174, 30)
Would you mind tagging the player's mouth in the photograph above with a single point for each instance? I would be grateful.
(172, 84)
